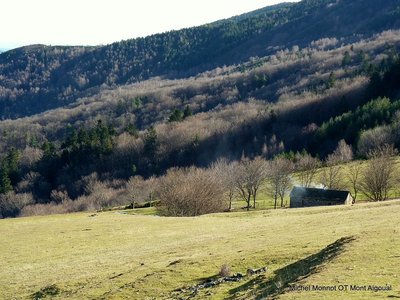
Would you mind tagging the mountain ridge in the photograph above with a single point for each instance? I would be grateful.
(58, 75)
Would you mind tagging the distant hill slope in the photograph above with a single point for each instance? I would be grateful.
(37, 78)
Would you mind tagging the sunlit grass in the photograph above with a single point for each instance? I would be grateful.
(115, 255)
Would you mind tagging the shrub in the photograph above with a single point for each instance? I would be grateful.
(98, 199)
(42, 209)
(374, 139)
(191, 192)
(12, 203)
(59, 196)
(224, 271)
(140, 190)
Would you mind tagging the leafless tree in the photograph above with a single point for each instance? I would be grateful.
(279, 178)
(241, 184)
(307, 167)
(378, 177)
(374, 139)
(343, 153)
(353, 175)
(331, 175)
(30, 156)
(249, 178)
(287, 168)
(226, 171)
(11, 203)
(258, 171)
(141, 190)
(151, 185)
(58, 196)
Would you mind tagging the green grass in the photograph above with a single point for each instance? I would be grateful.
(114, 255)
(345, 182)
(147, 211)
(266, 201)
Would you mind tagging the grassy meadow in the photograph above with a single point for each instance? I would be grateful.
(116, 255)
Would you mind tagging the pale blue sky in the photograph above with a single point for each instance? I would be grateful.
(94, 22)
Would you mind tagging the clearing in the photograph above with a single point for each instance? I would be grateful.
(115, 255)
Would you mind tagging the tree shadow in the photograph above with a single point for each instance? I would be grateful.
(258, 288)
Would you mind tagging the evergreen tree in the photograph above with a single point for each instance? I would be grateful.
(132, 130)
(5, 181)
(11, 164)
(331, 81)
(104, 135)
(82, 140)
(346, 59)
(187, 112)
(176, 116)
(150, 150)
(49, 149)
(150, 143)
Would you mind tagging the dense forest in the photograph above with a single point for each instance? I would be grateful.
(89, 127)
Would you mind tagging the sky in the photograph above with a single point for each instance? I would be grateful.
(97, 22)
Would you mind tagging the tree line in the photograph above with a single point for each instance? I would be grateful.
(192, 191)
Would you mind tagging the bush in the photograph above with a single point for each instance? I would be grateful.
(374, 139)
(12, 203)
(225, 271)
(140, 190)
(191, 192)
(43, 209)
(59, 196)
(101, 196)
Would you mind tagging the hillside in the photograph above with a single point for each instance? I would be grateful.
(37, 78)
(260, 88)
(211, 126)
(161, 167)
(116, 255)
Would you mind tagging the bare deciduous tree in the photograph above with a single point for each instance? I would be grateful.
(279, 178)
(134, 188)
(140, 190)
(241, 184)
(286, 182)
(331, 175)
(306, 167)
(226, 172)
(30, 156)
(257, 169)
(249, 177)
(353, 175)
(11, 203)
(343, 152)
(378, 177)
(374, 139)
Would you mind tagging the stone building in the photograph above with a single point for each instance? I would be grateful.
(306, 197)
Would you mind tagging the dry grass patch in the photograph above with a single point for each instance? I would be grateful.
(119, 256)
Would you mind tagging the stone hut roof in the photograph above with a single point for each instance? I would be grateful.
(319, 194)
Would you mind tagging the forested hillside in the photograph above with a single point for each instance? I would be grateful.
(81, 124)
(37, 78)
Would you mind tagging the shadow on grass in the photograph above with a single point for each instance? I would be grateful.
(51, 290)
(258, 288)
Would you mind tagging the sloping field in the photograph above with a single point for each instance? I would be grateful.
(115, 255)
